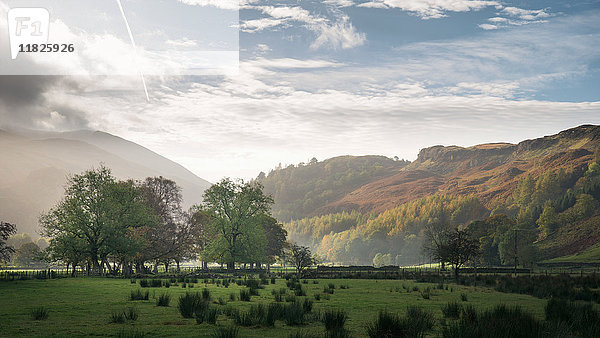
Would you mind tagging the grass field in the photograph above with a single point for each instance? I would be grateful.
(82, 306)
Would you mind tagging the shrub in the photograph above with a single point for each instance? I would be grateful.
(132, 281)
(117, 317)
(581, 317)
(163, 300)
(189, 303)
(167, 284)
(207, 314)
(317, 296)
(40, 313)
(328, 290)
(307, 305)
(253, 292)
(144, 283)
(469, 313)
(226, 283)
(331, 286)
(334, 319)
(131, 313)
(221, 301)
(290, 298)
(232, 297)
(344, 287)
(452, 310)
(300, 292)
(464, 297)
(501, 321)
(138, 295)
(184, 285)
(243, 318)
(273, 280)
(244, 295)
(426, 294)
(293, 314)
(156, 283)
(226, 332)
(415, 324)
(206, 294)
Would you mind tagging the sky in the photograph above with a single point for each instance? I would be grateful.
(321, 78)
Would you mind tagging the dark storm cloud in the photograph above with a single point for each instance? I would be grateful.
(26, 102)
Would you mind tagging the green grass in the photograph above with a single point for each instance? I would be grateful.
(83, 306)
(589, 255)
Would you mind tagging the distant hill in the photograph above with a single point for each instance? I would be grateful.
(34, 167)
(489, 171)
(381, 211)
(301, 190)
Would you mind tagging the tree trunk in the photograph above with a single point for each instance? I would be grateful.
(177, 262)
(230, 266)
(167, 267)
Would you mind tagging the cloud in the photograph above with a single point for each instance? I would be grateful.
(27, 102)
(257, 25)
(514, 16)
(487, 26)
(183, 42)
(431, 9)
(335, 33)
(223, 4)
(339, 35)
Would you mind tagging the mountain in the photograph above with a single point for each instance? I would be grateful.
(549, 187)
(488, 171)
(300, 191)
(34, 167)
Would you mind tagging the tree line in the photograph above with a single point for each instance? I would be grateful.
(126, 226)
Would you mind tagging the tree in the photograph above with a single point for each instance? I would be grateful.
(95, 219)
(436, 237)
(168, 239)
(27, 255)
(276, 238)
(458, 248)
(6, 230)
(300, 257)
(548, 222)
(237, 209)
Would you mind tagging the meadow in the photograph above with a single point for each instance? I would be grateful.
(86, 306)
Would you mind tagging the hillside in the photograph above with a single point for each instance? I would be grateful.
(300, 190)
(548, 185)
(35, 166)
(488, 171)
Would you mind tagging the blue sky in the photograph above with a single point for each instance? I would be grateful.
(337, 77)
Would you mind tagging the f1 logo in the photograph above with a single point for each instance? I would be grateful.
(27, 26)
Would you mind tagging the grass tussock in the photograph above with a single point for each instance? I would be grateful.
(163, 300)
(139, 295)
(40, 313)
(226, 332)
(189, 303)
(416, 323)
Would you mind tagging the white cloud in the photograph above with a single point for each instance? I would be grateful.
(183, 42)
(223, 4)
(257, 25)
(488, 26)
(339, 35)
(339, 3)
(431, 9)
(336, 33)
